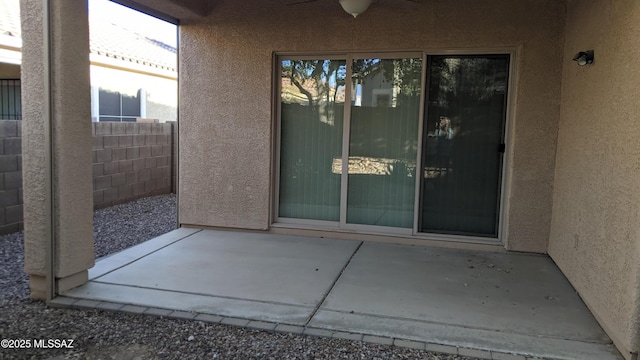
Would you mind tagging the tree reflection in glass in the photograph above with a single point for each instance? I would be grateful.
(385, 106)
(312, 106)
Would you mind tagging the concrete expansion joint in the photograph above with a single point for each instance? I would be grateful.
(87, 304)
(333, 285)
(155, 249)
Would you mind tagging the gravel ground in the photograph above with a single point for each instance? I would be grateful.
(108, 335)
(120, 227)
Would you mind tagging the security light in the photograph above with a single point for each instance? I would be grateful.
(584, 57)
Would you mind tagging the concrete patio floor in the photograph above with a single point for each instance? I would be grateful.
(481, 304)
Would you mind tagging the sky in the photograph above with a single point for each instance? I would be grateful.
(134, 20)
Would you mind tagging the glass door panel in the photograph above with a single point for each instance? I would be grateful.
(312, 100)
(385, 104)
(463, 133)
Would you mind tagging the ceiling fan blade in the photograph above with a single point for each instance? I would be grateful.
(301, 2)
(398, 4)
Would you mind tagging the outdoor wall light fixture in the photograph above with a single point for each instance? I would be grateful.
(355, 7)
(584, 57)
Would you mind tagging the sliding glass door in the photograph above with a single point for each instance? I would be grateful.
(383, 141)
(352, 156)
(462, 156)
(311, 119)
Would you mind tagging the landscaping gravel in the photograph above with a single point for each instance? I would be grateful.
(109, 335)
(120, 227)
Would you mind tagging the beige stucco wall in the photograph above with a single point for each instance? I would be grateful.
(9, 71)
(226, 94)
(70, 108)
(595, 234)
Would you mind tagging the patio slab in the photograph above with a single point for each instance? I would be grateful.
(514, 293)
(479, 301)
(489, 301)
(250, 275)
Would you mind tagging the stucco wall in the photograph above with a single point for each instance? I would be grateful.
(35, 159)
(72, 218)
(226, 94)
(595, 234)
(162, 112)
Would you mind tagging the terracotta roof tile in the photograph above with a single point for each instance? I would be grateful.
(10, 17)
(106, 39)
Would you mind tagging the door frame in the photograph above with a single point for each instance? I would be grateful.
(413, 233)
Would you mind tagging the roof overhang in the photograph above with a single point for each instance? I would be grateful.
(172, 10)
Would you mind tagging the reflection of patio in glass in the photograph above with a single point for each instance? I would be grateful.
(382, 166)
(375, 166)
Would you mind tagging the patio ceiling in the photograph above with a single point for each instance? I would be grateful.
(172, 10)
(194, 9)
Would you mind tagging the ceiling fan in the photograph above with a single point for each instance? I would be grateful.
(353, 7)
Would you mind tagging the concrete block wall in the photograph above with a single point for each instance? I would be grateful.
(131, 161)
(174, 158)
(10, 176)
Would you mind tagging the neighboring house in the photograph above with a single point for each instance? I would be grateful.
(10, 98)
(132, 76)
(467, 124)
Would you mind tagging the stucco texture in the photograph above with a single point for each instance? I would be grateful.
(70, 111)
(226, 92)
(34, 159)
(595, 233)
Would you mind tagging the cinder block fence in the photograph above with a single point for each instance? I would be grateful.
(10, 176)
(130, 161)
